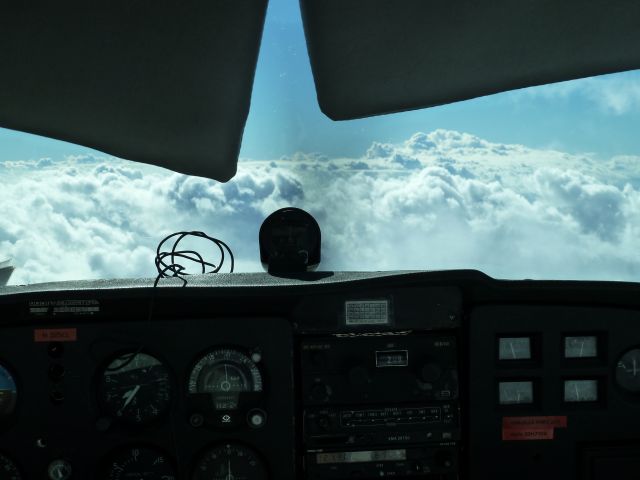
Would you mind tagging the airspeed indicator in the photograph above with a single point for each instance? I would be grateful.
(136, 388)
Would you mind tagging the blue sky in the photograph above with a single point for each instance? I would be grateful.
(284, 92)
(285, 117)
(536, 183)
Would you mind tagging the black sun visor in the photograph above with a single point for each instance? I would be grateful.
(167, 83)
(372, 57)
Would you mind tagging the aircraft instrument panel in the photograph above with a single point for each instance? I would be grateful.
(439, 376)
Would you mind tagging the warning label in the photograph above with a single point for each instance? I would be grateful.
(531, 428)
(55, 335)
(528, 434)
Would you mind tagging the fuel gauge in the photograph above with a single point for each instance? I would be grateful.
(580, 391)
(514, 348)
(515, 393)
(581, 347)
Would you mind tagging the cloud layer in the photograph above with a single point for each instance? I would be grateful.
(439, 200)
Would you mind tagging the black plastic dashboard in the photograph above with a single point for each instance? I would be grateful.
(432, 375)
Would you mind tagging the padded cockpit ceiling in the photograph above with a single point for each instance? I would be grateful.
(379, 56)
(162, 82)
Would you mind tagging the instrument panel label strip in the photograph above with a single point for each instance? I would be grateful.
(532, 427)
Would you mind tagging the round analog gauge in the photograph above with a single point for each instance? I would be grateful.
(139, 463)
(225, 374)
(8, 469)
(8, 393)
(136, 388)
(628, 371)
(230, 462)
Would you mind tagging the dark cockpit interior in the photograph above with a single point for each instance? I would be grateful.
(323, 376)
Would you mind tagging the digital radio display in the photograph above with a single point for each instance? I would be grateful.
(361, 457)
(392, 358)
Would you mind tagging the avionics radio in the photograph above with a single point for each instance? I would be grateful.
(338, 427)
(353, 423)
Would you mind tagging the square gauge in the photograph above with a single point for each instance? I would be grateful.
(581, 347)
(515, 393)
(514, 348)
(579, 391)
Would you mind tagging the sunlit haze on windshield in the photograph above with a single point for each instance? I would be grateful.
(537, 183)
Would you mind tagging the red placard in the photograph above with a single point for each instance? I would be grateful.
(531, 428)
(55, 334)
(514, 434)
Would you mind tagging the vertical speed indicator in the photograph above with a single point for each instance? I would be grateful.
(230, 462)
(139, 463)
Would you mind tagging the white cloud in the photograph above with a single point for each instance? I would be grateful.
(616, 94)
(439, 200)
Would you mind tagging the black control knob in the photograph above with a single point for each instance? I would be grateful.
(430, 372)
(56, 372)
(320, 392)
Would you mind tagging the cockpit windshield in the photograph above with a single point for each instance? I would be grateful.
(542, 182)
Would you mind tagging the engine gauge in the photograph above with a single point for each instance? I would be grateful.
(579, 391)
(230, 461)
(135, 388)
(8, 393)
(628, 371)
(139, 463)
(514, 348)
(223, 376)
(515, 393)
(8, 469)
(581, 347)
